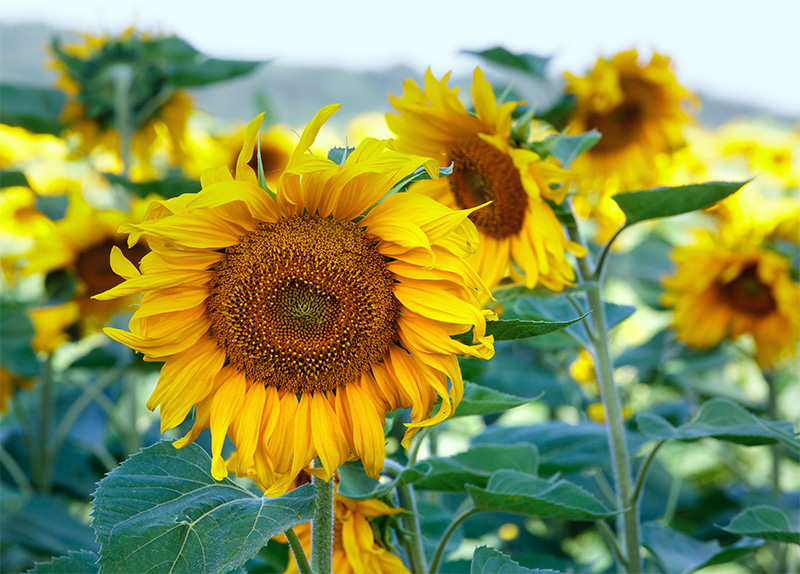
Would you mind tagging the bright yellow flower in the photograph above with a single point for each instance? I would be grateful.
(9, 383)
(49, 324)
(90, 110)
(355, 550)
(639, 110)
(81, 244)
(294, 324)
(519, 233)
(582, 369)
(729, 285)
(597, 413)
(769, 150)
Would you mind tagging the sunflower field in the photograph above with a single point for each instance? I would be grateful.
(515, 321)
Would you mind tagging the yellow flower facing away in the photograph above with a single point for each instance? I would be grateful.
(81, 244)
(91, 110)
(294, 323)
(731, 284)
(519, 233)
(640, 112)
(355, 550)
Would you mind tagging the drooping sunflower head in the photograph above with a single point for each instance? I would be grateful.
(98, 71)
(305, 316)
(519, 232)
(638, 110)
(729, 285)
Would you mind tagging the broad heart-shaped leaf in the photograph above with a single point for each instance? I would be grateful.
(355, 484)
(173, 185)
(562, 447)
(724, 420)
(487, 560)
(515, 329)
(83, 562)
(535, 66)
(16, 333)
(480, 400)
(162, 510)
(514, 491)
(682, 554)
(38, 110)
(476, 465)
(765, 522)
(668, 201)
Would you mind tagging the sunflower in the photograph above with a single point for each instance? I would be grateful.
(86, 73)
(731, 284)
(80, 244)
(355, 550)
(294, 323)
(519, 233)
(639, 110)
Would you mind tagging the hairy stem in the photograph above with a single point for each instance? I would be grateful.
(322, 526)
(412, 538)
(299, 555)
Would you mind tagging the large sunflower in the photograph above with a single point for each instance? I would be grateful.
(355, 550)
(295, 323)
(519, 233)
(729, 285)
(639, 110)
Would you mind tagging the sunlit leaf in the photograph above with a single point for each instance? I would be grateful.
(82, 562)
(487, 560)
(515, 329)
(682, 554)
(480, 400)
(36, 109)
(354, 483)
(724, 420)
(765, 522)
(566, 148)
(668, 201)
(476, 465)
(162, 509)
(514, 491)
(535, 66)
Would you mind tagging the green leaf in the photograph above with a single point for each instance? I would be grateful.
(12, 178)
(724, 420)
(162, 509)
(16, 332)
(559, 113)
(514, 491)
(355, 484)
(476, 466)
(53, 206)
(487, 560)
(515, 329)
(765, 522)
(668, 201)
(419, 174)
(562, 447)
(38, 110)
(480, 400)
(535, 66)
(83, 562)
(682, 554)
(173, 185)
(566, 148)
(338, 155)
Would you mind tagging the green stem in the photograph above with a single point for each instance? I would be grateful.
(412, 538)
(43, 476)
(642, 476)
(15, 470)
(620, 459)
(299, 555)
(412, 456)
(27, 432)
(611, 542)
(122, 76)
(437, 557)
(776, 449)
(322, 526)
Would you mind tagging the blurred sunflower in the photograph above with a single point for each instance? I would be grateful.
(355, 550)
(731, 284)
(80, 245)
(98, 73)
(295, 323)
(768, 150)
(519, 233)
(639, 110)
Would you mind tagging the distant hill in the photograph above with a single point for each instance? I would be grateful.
(290, 94)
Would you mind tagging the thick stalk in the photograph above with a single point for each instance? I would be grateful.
(620, 459)
(322, 526)
(412, 538)
(299, 555)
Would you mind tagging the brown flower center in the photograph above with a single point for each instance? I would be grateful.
(93, 268)
(748, 294)
(303, 304)
(482, 173)
(273, 160)
(622, 125)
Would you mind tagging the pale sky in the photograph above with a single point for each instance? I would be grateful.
(735, 50)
